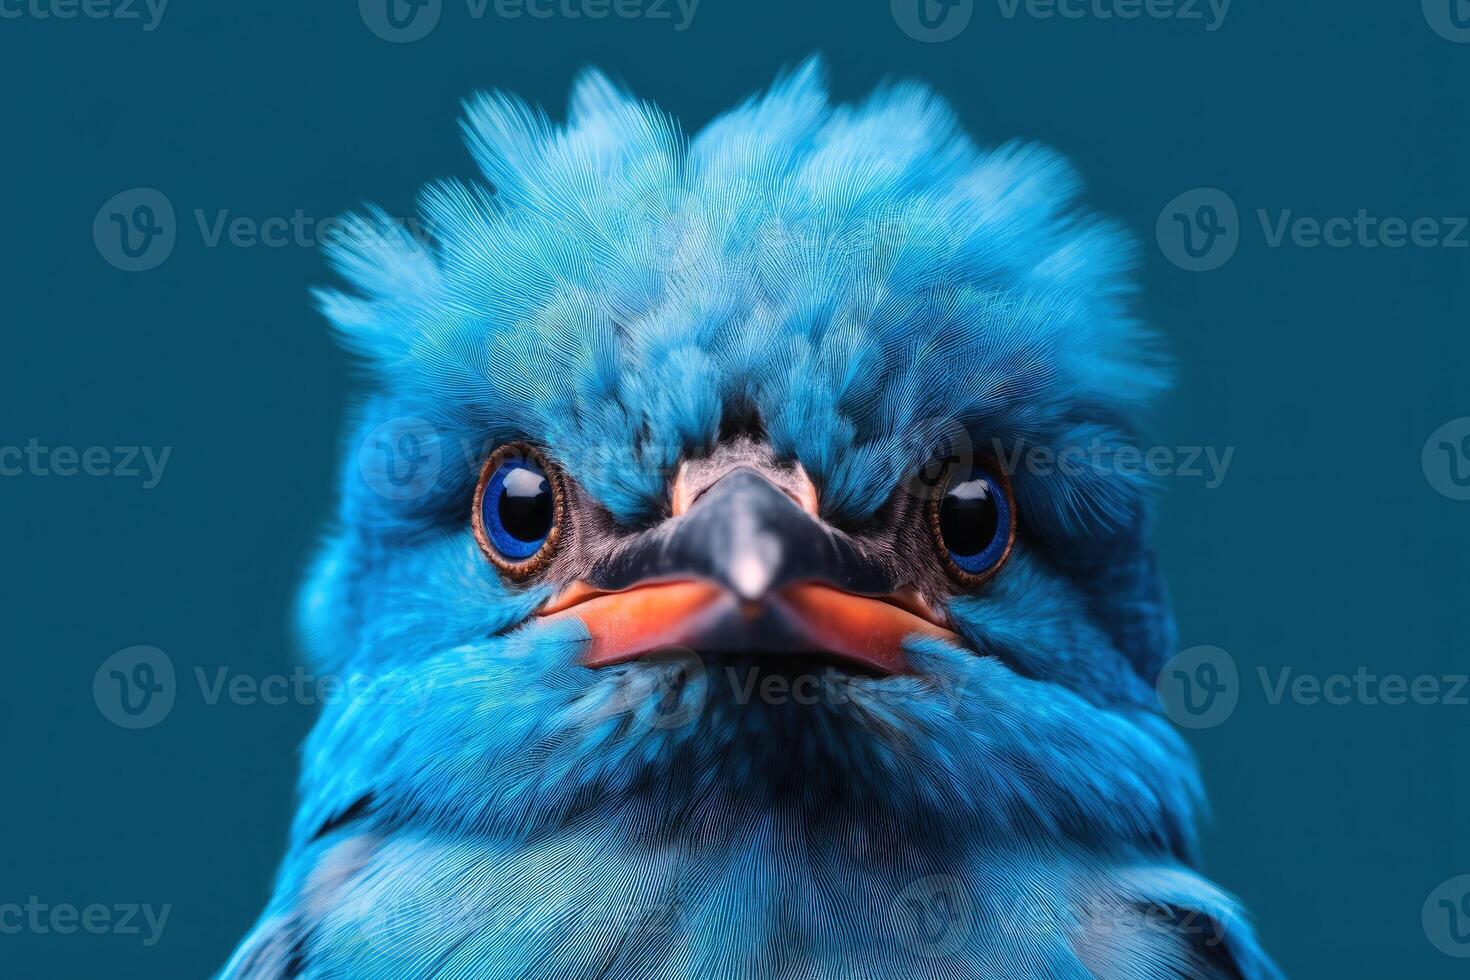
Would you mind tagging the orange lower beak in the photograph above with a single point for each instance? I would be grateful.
(803, 617)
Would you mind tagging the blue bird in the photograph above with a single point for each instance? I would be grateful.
(733, 577)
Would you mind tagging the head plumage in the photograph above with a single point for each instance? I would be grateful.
(850, 273)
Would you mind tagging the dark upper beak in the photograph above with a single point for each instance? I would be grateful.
(749, 537)
(746, 569)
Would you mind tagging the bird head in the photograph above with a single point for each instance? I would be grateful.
(768, 470)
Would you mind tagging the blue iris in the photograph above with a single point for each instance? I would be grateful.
(975, 522)
(518, 509)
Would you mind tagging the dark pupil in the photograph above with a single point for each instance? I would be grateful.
(525, 504)
(968, 517)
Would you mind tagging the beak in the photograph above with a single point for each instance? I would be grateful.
(747, 570)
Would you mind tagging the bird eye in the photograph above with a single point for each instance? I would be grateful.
(517, 510)
(973, 518)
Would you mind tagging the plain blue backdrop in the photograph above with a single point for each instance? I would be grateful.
(1326, 548)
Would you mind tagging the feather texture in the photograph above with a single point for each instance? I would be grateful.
(863, 280)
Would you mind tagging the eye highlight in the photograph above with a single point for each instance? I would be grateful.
(973, 519)
(518, 510)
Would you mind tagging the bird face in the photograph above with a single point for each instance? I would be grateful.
(736, 529)
(935, 664)
(771, 472)
(744, 562)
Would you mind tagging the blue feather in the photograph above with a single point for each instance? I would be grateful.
(862, 279)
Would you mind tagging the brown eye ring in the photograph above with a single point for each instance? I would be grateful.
(972, 522)
(519, 510)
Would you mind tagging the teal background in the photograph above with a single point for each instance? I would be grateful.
(1324, 549)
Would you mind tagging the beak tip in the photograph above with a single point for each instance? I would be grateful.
(749, 577)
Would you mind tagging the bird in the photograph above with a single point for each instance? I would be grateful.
(734, 572)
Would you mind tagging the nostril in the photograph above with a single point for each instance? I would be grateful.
(692, 482)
